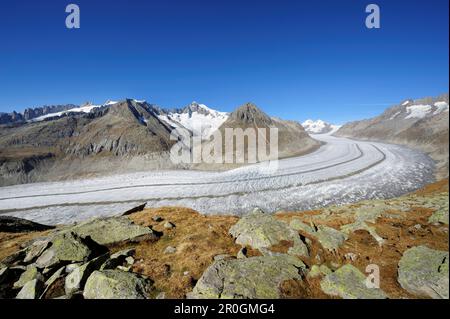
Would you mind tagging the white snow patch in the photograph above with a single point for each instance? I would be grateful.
(317, 127)
(441, 107)
(198, 123)
(395, 115)
(418, 111)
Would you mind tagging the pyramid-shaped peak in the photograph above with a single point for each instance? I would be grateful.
(250, 113)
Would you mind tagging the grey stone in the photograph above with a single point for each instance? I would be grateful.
(298, 225)
(66, 247)
(118, 259)
(31, 290)
(222, 257)
(423, 271)
(30, 273)
(113, 230)
(260, 230)
(35, 250)
(77, 278)
(254, 277)
(116, 284)
(349, 283)
(330, 238)
(169, 225)
(170, 250)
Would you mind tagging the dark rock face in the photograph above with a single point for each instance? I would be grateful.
(16, 225)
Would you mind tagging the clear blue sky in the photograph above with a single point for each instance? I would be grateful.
(295, 59)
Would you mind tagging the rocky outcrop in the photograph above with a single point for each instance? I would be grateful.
(254, 277)
(108, 231)
(61, 264)
(424, 271)
(262, 231)
(117, 284)
(349, 283)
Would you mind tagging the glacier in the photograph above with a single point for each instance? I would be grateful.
(341, 171)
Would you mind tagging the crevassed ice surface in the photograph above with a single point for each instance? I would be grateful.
(341, 171)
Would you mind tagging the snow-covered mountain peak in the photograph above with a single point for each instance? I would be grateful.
(318, 127)
(197, 118)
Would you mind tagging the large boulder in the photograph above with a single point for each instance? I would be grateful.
(330, 238)
(261, 231)
(113, 230)
(423, 271)
(77, 278)
(254, 277)
(31, 290)
(349, 283)
(117, 284)
(35, 249)
(29, 274)
(65, 247)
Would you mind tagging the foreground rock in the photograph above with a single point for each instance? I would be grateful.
(262, 231)
(349, 283)
(65, 248)
(109, 231)
(423, 271)
(117, 284)
(77, 278)
(31, 290)
(254, 277)
(11, 224)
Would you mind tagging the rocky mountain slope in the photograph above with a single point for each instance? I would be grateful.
(422, 124)
(318, 127)
(32, 113)
(174, 252)
(292, 138)
(71, 144)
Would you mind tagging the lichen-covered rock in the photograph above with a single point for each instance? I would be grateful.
(35, 249)
(439, 216)
(260, 230)
(77, 278)
(31, 290)
(113, 230)
(349, 283)
(423, 271)
(330, 238)
(254, 277)
(29, 274)
(298, 225)
(117, 284)
(317, 271)
(65, 247)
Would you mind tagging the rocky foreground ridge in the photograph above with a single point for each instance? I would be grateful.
(178, 253)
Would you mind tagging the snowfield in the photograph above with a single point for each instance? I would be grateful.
(341, 171)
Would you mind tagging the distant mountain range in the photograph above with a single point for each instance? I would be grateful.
(58, 142)
(318, 127)
(422, 124)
